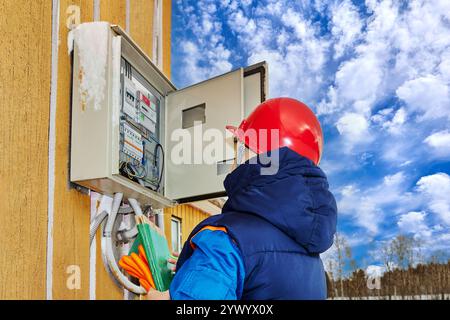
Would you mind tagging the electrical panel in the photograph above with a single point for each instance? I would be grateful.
(125, 112)
(140, 147)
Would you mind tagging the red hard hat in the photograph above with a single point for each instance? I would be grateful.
(298, 128)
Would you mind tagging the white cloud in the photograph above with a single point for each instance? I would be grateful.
(281, 34)
(358, 81)
(402, 52)
(346, 27)
(194, 57)
(240, 23)
(366, 206)
(436, 189)
(414, 223)
(205, 55)
(440, 242)
(390, 120)
(352, 124)
(395, 125)
(444, 66)
(440, 142)
(295, 53)
(429, 95)
(354, 128)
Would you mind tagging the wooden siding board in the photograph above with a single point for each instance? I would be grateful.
(141, 24)
(167, 36)
(114, 11)
(71, 208)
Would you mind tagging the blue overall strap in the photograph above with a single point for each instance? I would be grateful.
(215, 270)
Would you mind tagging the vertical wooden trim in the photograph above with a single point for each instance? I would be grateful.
(157, 34)
(51, 147)
(97, 11)
(127, 16)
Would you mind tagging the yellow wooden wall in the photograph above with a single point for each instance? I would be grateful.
(189, 216)
(25, 50)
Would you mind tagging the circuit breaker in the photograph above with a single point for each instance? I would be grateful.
(125, 113)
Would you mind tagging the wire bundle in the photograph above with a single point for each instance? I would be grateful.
(136, 265)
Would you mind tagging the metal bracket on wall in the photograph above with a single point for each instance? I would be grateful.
(79, 188)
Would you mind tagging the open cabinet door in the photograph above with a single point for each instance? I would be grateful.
(196, 117)
(192, 113)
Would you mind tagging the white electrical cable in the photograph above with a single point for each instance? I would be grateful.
(136, 207)
(108, 249)
(102, 212)
(95, 224)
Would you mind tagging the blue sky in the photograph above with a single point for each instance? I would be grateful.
(377, 73)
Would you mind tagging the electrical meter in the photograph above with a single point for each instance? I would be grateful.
(127, 120)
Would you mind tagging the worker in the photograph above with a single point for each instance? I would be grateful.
(266, 242)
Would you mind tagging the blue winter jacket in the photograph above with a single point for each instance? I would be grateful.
(280, 224)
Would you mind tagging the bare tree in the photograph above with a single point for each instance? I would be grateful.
(388, 261)
(403, 251)
(338, 260)
(330, 266)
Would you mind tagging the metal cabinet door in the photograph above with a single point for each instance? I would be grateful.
(192, 114)
(199, 114)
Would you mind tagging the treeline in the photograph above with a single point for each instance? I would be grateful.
(430, 280)
(406, 272)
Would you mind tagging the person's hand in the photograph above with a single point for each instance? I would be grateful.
(153, 294)
(173, 260)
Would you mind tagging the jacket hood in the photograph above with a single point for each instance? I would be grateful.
(295, 199)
